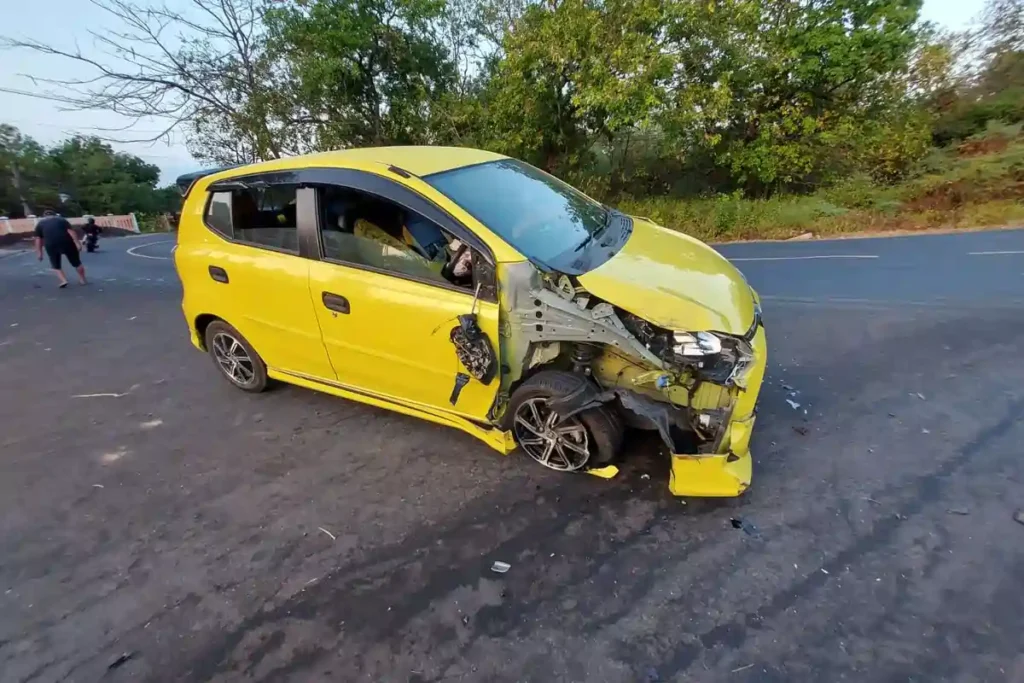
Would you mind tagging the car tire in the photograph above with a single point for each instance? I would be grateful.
(603, 426)
(235, 358)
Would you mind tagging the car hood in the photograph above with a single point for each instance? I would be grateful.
(675, 282)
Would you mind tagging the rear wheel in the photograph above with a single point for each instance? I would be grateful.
(590, 438)
(237, 361)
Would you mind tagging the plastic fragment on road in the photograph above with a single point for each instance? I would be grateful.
(747, 527)
(500, 567)
(793, 404)
(121, 659)
(333, 538)
(1018, 516)
(108, 395)
(604, 472)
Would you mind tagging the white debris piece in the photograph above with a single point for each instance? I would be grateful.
(500, 567)
(793, 404)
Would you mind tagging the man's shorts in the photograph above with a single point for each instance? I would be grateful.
(69, 250)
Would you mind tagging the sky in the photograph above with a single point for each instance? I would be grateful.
(67, 22)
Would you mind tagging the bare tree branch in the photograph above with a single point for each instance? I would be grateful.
(201, 66)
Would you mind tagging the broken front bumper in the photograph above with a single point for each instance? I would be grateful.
(727, 471)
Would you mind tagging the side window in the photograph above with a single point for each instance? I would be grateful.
(365, 230)
(218, 213)
(266, 216)
(262, 215)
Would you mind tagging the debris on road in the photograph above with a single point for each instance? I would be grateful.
(742, 668)
(113, 456)
(925, 431)
(871, 500)
(793, 404)
(108, 395)
(150, 424)
(500, 567)
(801, 430)
(786, 387)
(958, 511)
(824, 571)
(748, 528)
(121, 659)
(333, 538)
(645, 476)
(606, 472)
(919, 395)
(97, 486)
(1018, 516)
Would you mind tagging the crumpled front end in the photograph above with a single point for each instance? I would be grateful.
(697, 388)
(703, 407)
(725, 469)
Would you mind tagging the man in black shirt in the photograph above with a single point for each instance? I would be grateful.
(58, 237)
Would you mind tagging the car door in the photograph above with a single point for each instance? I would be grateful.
(259, 276)
(386, 319)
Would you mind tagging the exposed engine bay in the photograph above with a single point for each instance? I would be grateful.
(681, 383)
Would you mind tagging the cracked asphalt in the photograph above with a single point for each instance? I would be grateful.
(213, 535)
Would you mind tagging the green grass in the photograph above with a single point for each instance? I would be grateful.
(977, 186)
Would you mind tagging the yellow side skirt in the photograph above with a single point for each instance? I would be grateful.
(495, 438)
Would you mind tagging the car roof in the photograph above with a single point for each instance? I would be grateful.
(419, 161)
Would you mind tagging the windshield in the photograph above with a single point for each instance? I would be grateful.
(543, 218)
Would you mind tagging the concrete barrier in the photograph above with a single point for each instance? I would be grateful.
(16, 229)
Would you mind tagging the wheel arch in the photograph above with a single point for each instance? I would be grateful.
(201, 323)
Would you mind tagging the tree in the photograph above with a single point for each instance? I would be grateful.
(574, 73)
(202, 67)
(24, 167)
(365, 72)
(78, 175)
(778, 92)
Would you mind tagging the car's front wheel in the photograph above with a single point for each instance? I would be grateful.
(590, 438)
(235, 357)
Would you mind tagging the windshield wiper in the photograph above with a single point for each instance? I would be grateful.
(609, 213)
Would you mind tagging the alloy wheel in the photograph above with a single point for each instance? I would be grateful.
(562, 445)
(233, 359)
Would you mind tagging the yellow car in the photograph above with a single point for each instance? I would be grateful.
(474, 290)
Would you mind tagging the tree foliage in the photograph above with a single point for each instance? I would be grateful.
(635, 96)
(77, 176)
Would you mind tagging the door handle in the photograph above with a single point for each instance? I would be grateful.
(336, 303)
(219, 274)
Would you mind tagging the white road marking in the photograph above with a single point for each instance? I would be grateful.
(803, 258)
(887, 304)
(992, 253)
(150, 244)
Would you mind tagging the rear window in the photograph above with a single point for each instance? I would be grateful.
(218, 213)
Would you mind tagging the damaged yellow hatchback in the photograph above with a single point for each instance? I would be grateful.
(476, 291)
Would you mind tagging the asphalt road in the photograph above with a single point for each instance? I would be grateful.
(213, 535)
